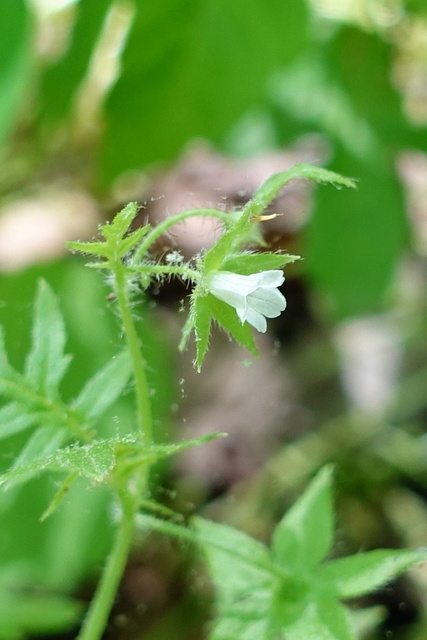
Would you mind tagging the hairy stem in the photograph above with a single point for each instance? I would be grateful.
(99, 609)
(142, 393)
(162, 227)
(131, 494)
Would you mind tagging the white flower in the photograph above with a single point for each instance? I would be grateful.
(255, 297)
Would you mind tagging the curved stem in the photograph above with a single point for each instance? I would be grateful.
(162, 227)
(100, 607)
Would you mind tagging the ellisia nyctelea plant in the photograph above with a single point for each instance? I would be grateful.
(286, 592)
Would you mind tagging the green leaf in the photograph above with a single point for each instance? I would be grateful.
(247, 263)
(117, 244)
(26, 611)
(101, 391)
(61, 81)
(13, 419)
(96, 461)
(355, 239)
(194, 65)
(228, 319)
(360, 574)
(46, 363)
(15, 61)
(304, 536)
(201, 318)
(42, 443)
(235, 558)
(243, 576)
(315, 617)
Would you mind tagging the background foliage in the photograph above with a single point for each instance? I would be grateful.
(98, 97)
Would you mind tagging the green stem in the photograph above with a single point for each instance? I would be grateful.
(185, 272)
(142, 394)
(99, 609)
(162, 227)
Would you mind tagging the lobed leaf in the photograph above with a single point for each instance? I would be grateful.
(304, 536)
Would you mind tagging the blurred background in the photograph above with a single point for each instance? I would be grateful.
(182, 104)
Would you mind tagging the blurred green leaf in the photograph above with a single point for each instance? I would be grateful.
(358, 60)
(305, 534)
(24, 611)
(362, 573)
(202, 65)
(61, 81)
(316, 616)
(46, 362)
(14, 420)
(101, 391)
(355, 238)
(15, 61)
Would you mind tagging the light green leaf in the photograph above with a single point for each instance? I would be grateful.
(313, 617)
(247, 263)
(238, 563)
(13, 419)
(42, 443)
(304, 536)
(245, 619)
(228, 319)
(360, 574)
(101, 391)
(116, 230)
(89, 248)
(96, 461)
(46, 363)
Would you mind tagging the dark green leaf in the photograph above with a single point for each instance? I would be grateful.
(228, 319)
(15, 61)
(194, 65)
(247, 263)
(62, 80)
(304, 536)
(355, 239)
(360, 574)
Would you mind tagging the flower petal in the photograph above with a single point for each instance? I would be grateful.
(271, 279)
(254, 318)
(269, 302)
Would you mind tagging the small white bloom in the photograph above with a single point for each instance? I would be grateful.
(255, 297)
